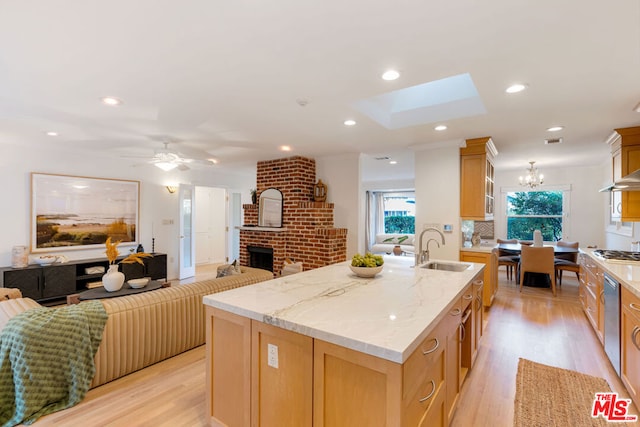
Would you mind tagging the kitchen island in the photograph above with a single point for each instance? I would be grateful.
(325, 347)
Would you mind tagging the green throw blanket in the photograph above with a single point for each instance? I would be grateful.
(46, 360)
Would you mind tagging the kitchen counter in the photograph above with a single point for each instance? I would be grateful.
(387, 316)
(628, 274)
(484, 248)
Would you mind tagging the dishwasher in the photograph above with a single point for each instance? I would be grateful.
(612, 321)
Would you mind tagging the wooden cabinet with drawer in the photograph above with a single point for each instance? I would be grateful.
(339, 386)
(490, 278)
(591, 293)
(630, 343)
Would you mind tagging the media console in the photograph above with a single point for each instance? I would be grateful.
(52, 283)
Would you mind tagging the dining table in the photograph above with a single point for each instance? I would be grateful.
(515, 248)
(532, 278)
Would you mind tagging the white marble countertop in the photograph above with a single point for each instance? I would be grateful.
(387, 316)
(627, 274)
(484, 247)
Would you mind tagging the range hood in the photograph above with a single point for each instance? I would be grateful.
(630, 182)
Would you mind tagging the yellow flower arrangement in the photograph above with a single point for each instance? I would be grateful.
(112, 254)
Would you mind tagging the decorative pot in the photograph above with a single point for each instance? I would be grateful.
(113, 279)
(397, 250)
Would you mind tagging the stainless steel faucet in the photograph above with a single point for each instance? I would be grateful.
(422, 256)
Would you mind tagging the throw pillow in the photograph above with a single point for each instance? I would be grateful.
(236, 265)
(228, 270)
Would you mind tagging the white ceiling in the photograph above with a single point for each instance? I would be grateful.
(226, 79)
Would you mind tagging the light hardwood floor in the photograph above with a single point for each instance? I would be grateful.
(532, 324)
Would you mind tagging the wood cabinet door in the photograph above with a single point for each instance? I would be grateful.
(630, 199)
(59, 281)
(156, 267)
(281, 377)
(630, 345)
(490, 276)
(453, 359)
(28, 280)
(354, 389)
(478, 316)
(472, 186)
(228, 369)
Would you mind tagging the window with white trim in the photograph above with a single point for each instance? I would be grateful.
(535, 210)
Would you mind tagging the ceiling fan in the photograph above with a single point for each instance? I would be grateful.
(167, 159)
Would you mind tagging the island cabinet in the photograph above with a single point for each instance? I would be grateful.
(591, 293)
(472, 329)
(490, 279)
(262, 375)
(630, 344)
(477, 179)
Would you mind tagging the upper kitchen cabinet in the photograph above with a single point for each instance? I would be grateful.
(625, 150)
(476, 179)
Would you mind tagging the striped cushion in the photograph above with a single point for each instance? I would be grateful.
(12, 307)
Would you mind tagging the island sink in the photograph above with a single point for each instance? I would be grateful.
(447, 266)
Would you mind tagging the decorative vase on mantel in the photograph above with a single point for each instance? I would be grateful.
(113, 279)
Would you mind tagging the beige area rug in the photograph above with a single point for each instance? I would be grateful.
(548, 396)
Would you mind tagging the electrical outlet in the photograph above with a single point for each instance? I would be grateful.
(272, 355)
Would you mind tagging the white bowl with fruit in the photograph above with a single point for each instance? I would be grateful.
(366, 266)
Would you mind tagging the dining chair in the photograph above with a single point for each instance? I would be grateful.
(567, 262)
(538, 260)
(507, 258)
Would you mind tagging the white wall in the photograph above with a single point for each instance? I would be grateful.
(342, 176)
(158, 208)
(437, 184)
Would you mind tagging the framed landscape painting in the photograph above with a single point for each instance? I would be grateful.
(75, 212)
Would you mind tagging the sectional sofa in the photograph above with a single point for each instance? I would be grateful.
(146, 328)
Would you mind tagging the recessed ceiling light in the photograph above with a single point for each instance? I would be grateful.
(51, 133)
(515, 88)
(110, 100)
(390, 75)
(440, 127)
(349, 122)
(285, 148)
(393, 162)
(555, 128)
(214, 161)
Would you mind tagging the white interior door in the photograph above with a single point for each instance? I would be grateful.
(187, 232)
(234, 220)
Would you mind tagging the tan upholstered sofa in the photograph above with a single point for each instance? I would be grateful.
(146, 328)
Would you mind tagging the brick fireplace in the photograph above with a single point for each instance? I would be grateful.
(307, 234)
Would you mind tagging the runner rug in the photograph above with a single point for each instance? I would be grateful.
(548, 396)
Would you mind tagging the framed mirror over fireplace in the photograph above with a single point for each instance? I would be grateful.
(270, 208)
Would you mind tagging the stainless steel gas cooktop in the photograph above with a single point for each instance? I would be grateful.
(620, 256)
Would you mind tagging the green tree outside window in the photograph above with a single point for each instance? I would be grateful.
(534, 210)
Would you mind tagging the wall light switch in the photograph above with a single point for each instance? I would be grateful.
(272, 355)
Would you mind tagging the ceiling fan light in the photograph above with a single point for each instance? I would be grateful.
(166, 166)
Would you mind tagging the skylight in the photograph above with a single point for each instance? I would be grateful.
(437, 101)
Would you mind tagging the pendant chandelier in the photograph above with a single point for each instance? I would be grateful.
(533, 178)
